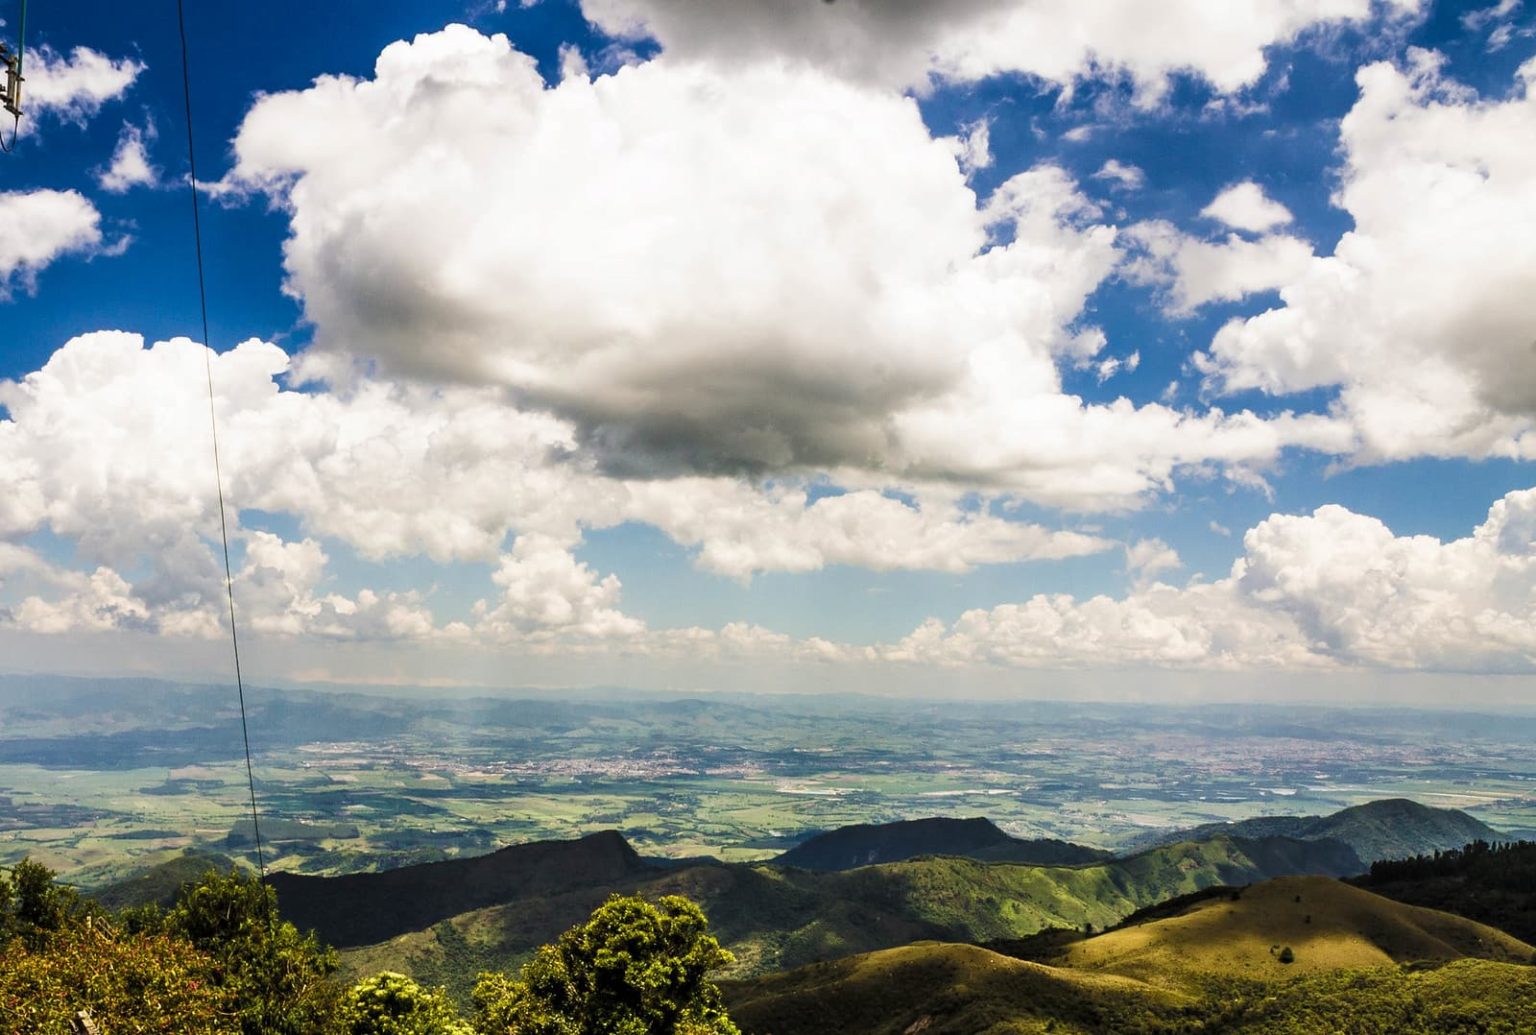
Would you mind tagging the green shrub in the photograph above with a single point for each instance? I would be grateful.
(632, 969)
(393, 1004)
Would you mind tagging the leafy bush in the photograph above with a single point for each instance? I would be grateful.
(278, 979)
(129, 982)
(633, 969)
(393, 1004)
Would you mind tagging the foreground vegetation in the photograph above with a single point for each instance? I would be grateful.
(1292, 955)
(221, 962)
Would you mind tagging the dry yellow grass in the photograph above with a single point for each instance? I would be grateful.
(1327, 925)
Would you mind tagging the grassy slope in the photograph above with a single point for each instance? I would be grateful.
(943, 989)
(1329, 925)
(1209, 969)
(774, 918)
(1467, 997)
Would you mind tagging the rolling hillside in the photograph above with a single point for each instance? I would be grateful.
(866, 844)
(774, 917)
(360, 908)
(1213, 968)
(944, 989)
(1328, 925)
(1393, 828)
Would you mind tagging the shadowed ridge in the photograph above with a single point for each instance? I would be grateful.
(868, 844)
(363, 908)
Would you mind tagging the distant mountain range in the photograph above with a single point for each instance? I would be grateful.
(1392, 828)
(955, 880)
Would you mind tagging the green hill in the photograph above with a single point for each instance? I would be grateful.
(1328, 926)
(1392, 828)
(775, 917)
(1213, 967)
(866, 844)
(159, 884)
(360, 908)
(942, 989)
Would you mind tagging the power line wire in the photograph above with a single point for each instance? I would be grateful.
(213, 423)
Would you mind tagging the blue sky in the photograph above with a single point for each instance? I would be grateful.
(967, 380)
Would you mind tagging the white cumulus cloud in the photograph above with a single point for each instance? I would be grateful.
(1329, 590)
(1246, 207)
(130, 165)
(1196, 272)
(74, 87)
(821, 294)
(1423, 315)
(37, 227)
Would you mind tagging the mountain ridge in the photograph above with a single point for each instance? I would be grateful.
(1387, 828)
(866, 844)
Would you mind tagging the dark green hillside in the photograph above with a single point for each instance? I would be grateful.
(866, 844)
(774, 917)
(361, 908)
(1494, 884)
(1393, 828)
(159, 884)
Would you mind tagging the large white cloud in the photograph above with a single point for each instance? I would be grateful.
(762, 271)
(905, 42)
(131, 487)
(37, 227)
(1424, 316)
(393, 471)
(1328, 590)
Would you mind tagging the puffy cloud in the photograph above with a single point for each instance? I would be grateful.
(1246, 207)
(36, 227)
(547, 592)
(1422, 315)
(974, 149)
(1327, 590)
(1121, 175)
(1198, 272)
(1147, 557)
(131, 487)
(740, 531)
(766, 272)
(906, 43)
(75, 87)
(277, 592)
(393, 471)
(130, 161)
